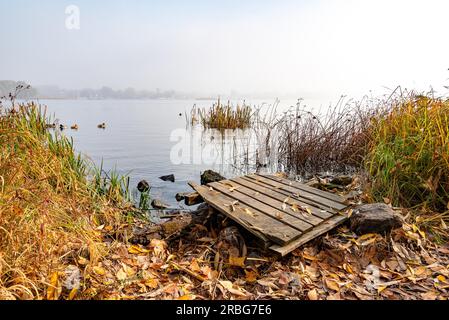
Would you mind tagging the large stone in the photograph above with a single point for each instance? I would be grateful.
(374, 218)
(169, 177)
(209, 176)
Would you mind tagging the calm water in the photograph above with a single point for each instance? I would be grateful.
(137, 141)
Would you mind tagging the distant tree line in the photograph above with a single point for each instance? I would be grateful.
(55, 92)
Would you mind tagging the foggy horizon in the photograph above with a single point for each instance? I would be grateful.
(285, 49)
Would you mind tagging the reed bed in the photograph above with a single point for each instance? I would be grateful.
(51, 208)
(222, 116)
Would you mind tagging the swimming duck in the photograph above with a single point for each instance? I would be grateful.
(62, 127)
(50, 125)
(102, 125)
(74, 127)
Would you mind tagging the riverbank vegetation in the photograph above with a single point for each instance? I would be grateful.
(66, 228)
(51, 213)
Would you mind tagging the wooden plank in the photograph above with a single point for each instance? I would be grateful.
(279, 196)
(296, 196)
(304, 187)
(256, 204)
(285, 206)
(304, 194)
(253, 220)
(310, 235)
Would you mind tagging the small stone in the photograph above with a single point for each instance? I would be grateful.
(210, 176)
(169, 177)
(374, 218)
(157, 204)
(143, 186)
(181, 196)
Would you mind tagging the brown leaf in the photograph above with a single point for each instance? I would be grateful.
(313, 294)
(332, 284)
(250, 276)
(237, 261)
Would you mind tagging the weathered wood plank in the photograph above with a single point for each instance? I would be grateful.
(310, 235)
(304, 194)
(304, 187)
(296, 196)
(280, 197)
(253, 220)
(272, 212)
(285, 206)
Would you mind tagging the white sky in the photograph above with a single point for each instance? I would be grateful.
(296, 48)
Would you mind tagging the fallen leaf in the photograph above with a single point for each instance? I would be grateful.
(312, 294)
(54, 289)
(72, 294)
(237, 261)
(187, 297)
(99, 270)
(250, 276)
(121, 275)
(331, 284)
(229, 286)
(135, 249)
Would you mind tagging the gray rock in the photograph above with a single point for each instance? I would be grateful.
(158, 204)
(374, 218)
(209, 176)
(169, 177)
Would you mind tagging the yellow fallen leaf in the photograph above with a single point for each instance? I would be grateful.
(380, 289)
(152, 283)
(237, 261)
(308, 210)
(187, 297)
(308, 257)
(99, 270)
(72, 293)
(279, 216)
(347, 268)
(295, 207)
(54, 289)
(441, 278)
(135, 249)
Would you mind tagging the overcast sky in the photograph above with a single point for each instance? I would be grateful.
(301, 48)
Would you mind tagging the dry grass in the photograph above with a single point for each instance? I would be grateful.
(50, 212)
